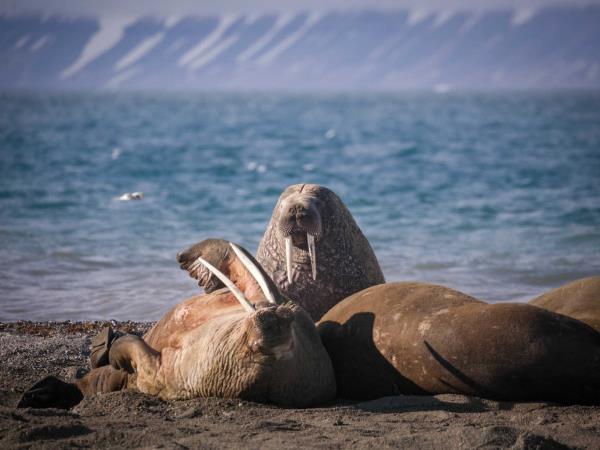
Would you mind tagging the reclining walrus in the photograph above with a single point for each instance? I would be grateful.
(579, 299)
(245, 342)
(416, 338)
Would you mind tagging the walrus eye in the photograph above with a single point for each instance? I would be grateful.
(232, 287)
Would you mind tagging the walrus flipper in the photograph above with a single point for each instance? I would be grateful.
(51, 392)
(100, 347)
(131, 354)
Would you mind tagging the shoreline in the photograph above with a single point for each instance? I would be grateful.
(32, 350)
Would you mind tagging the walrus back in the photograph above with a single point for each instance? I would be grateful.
(414, 338)
(579, 299)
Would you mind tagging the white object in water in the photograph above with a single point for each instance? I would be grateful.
(131, 196)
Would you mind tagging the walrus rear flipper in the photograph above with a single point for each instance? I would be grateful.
(100, 347)
(51, 392)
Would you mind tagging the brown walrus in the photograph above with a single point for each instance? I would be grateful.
(245, 342)
(415, 338)
(314, 250)
(579, 299)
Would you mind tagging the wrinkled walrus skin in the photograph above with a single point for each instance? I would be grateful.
(345, 262)
(415, 338)
(579, 299)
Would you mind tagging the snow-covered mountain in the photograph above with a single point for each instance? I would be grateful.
(554, 47)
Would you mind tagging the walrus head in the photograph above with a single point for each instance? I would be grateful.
(269, 331)
(273, 350)
(314, 250)
(300, 225)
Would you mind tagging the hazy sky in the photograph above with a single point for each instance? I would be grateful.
(176, 7)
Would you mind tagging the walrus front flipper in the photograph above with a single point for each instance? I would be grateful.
(101, 345)
(51, 392)
(131, 354)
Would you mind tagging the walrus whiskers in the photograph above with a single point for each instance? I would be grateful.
(289, 251)
(227, 282)
(312, 253)
(256, 274)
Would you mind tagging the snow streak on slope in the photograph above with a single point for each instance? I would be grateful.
(195, 52)
(286, 43)
(139, 51)
(543, 48)
(211, 54)
(282, 21)
(110, 33)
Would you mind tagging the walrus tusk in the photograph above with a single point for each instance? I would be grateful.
(227, 282)
(255, 272)
(289, 250)
(312, 252)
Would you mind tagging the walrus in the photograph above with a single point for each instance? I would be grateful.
(314, 250)
(244, 341)
(579, 299)
(417, 338)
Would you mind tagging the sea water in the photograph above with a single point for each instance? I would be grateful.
(497, 195)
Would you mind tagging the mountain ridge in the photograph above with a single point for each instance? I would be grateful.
(553, 48)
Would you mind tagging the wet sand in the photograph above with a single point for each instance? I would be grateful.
(128, 419)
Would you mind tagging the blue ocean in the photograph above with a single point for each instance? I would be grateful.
(496, 195)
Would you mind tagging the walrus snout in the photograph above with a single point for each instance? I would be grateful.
(301, 226)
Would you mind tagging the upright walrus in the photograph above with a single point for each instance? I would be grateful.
(416, 338)
(579, 299)
(314, 250)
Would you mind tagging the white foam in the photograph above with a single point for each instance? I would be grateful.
(286, 43)
(139, 51)
(110, 33)
(208, 41)
(281, 21)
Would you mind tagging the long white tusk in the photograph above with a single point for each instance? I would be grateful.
(227, 282)
(289, 250)
(312, 252)
(255, 272)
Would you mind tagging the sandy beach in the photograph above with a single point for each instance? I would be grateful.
(128, 419)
